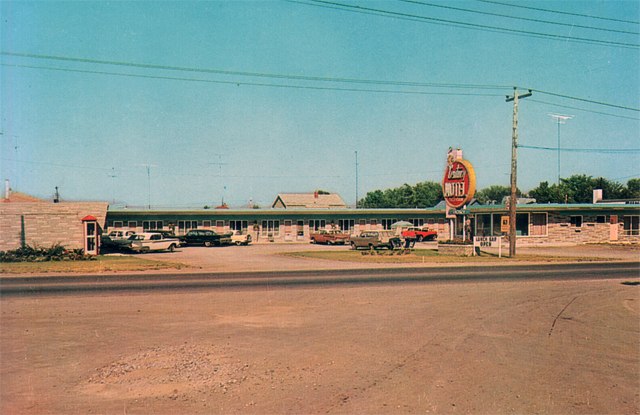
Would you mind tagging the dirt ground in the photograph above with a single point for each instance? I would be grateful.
(566, 347)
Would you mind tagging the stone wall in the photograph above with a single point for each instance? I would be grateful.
(47, 224)
(560, 231)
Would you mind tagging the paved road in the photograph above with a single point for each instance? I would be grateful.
(138, 282)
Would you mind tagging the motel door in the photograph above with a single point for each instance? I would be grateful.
(91, 241)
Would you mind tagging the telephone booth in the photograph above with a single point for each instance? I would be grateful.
(91, 241)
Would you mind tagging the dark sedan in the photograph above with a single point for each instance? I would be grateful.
(205, 237)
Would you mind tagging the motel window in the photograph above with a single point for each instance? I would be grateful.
(386, 223)
(239, 225)
(538, 224)
(631, 225)
(362, 223)
(152, 224)
(576, 221)
(316, 224)
(133, 224)
(601, 219)
(300, 228)
(206, 223)
(219, 225)
(185, 225)
(497, 224)
(483, 225)
(374, 223)
(417, 221)
(117, 224)
(522, 224)
(346, 225)
(287, 227)
(271, 227)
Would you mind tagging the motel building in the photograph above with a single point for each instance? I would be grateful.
(293, 217)
(536, 224)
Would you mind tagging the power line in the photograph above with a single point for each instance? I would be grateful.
(425, 19)
(585, 100)
(253, 74)
(308, 87)
(239, 83)
(584, 110)
(586, 150)
(559, 12)
(571, 25)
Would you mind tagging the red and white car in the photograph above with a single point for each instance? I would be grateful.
(420, 234)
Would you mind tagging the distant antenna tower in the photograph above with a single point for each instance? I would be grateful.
(220, 164)
(113, 184)
(560, 119)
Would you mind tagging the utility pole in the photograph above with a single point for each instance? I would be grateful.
(513, 199)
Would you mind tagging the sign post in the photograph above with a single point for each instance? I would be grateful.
(488, 242)
(458, 186)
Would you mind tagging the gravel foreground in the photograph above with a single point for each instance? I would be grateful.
(552, 347)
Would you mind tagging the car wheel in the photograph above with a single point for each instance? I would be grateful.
(238, 243)
(313, 241)
(329, 242)
(353, 246)
(370, 247)
(207, 243)
(420, 238)
(172, 247)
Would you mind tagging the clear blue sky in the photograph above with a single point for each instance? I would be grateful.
(209, 130)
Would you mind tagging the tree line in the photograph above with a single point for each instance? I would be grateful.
(575, 189)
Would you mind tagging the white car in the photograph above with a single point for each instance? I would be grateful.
(149, 241)
(239, 238)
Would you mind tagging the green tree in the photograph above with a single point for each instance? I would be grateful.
(494, 193)
(425, 194)
(633, 189)
(547, 194)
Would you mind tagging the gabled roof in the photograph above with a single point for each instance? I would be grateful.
(308, 201)
(17, 197)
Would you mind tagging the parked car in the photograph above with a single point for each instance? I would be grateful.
(205, 237)
(240, 238)
(420, 234)
(152, 241)
(375, 239)
(329, 237)
(115, 240)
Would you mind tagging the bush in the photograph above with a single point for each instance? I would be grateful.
(456, 241)
(56, 252)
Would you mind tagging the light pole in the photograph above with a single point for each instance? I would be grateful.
(560, 119)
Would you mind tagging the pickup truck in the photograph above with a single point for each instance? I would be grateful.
(149, 241)
(329, 237)
(375, 240)
(205, 237)
(420, 234)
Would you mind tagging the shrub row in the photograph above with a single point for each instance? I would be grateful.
(36, 254)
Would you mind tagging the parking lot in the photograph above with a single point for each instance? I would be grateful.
(267, 257)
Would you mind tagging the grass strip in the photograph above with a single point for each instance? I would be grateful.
(100, 264)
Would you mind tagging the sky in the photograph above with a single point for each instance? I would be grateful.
(188, 104)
